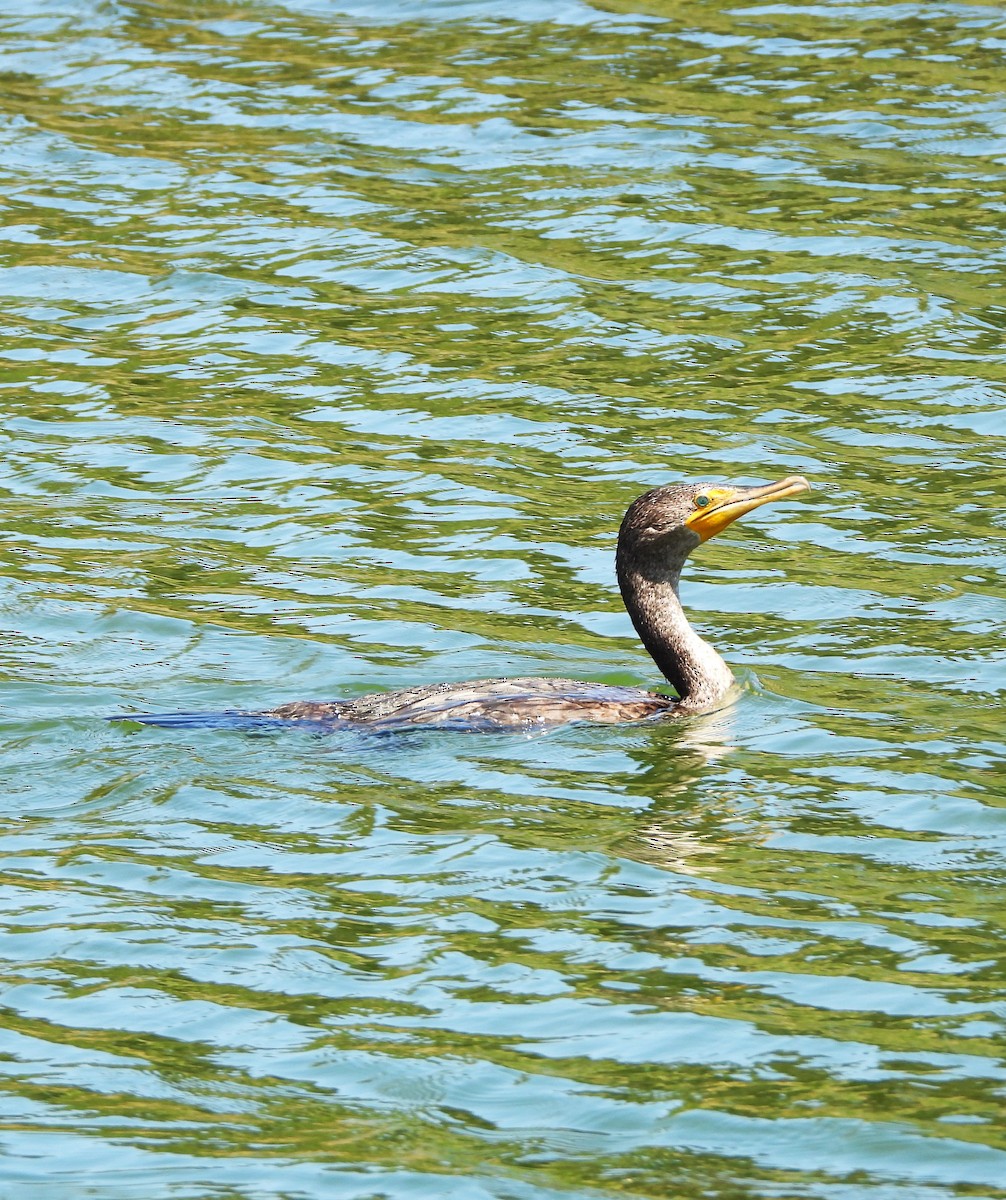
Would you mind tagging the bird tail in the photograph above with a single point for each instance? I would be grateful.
(230, 719)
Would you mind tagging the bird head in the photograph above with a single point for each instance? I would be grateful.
(680, 516)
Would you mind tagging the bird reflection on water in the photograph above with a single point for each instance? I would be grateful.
(659, 531)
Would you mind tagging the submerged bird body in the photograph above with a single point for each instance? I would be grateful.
(484, 704)
(658, 532)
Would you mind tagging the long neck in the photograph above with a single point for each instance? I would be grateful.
(650, 593)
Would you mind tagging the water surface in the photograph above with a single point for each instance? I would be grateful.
(338, 335)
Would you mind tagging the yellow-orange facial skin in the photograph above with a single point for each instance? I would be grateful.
(724, 505)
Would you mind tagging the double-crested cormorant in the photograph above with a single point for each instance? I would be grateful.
(658, 532)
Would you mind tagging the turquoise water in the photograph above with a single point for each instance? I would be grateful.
(338, 335)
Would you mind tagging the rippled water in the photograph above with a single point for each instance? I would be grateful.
(338, 336)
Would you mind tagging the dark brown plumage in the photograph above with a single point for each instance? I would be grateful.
(521, 703)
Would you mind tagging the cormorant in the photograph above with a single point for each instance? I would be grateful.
(659, 531)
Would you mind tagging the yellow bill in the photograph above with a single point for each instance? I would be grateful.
(716, 508)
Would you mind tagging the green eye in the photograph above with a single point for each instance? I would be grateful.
(701, 501)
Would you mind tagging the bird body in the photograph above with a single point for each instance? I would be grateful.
(660, 529)
(525, 702)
